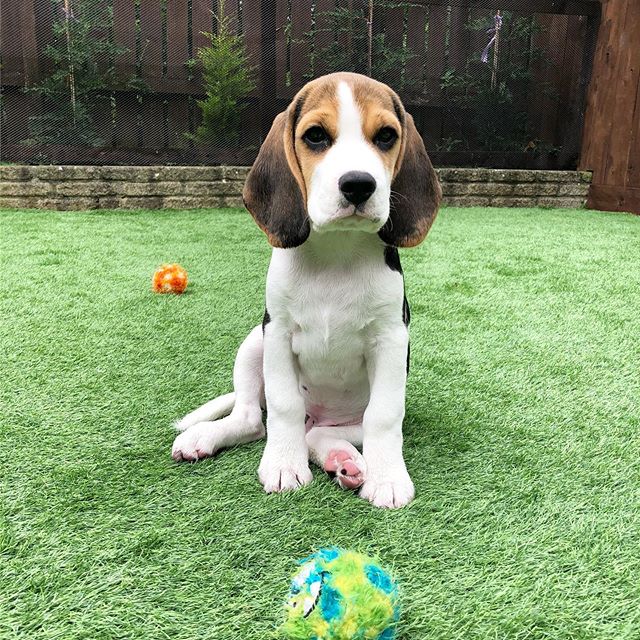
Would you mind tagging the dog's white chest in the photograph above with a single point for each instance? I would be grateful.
(333, 318)
(328, 341)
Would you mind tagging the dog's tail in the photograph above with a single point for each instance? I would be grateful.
(212, 410)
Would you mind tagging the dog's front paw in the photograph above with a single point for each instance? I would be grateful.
(280, 471)
(388, 490)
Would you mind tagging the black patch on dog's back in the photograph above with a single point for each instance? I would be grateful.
(406, 318)
(392, 259)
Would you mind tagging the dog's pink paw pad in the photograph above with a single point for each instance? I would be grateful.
(349, 474)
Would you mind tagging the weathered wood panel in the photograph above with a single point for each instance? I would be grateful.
(19, 52)
(124, 28)
(611, 133)
(151, 27)
(285, 40)
(178, 41)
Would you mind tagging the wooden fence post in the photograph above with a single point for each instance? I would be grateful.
(611, 141)
(268, 70)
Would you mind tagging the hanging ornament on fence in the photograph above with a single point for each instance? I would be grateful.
(494, 32)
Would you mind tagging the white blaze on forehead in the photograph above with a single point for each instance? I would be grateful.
(349, 116)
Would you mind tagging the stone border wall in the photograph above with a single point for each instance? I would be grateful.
(92, 187)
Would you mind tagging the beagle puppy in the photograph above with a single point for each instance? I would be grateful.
(342, 180)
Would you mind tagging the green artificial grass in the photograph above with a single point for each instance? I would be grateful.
(522, 432)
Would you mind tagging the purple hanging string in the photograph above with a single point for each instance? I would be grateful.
(68, 14)
(494, 32)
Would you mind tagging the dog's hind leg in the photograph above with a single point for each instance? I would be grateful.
(203, 437)
(212, 410)
(334, 450)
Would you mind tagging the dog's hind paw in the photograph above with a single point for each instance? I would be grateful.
(197, 442)
(349, 467)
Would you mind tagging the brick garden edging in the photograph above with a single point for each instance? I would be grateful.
(92, 187)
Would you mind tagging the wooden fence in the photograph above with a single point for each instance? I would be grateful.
(286, 41)
(612, 127)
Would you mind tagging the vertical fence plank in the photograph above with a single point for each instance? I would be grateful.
(547, 75)
(178, 121)
(434, 66)
(202, 22)
(152, 122)
(45, 16)
(393, 31)
(324, 36)
(126, 121)
(269, 63)
(392, 22)
(17, 106)
(416, 40)
(151, 33)
(178, 38)
(252, 24)
(568, 127)
(126, 110)
(233, 17)
(12, 62)
(628, 77)
(19, 52)
(124, 32)
(281, 41)
(459, 38)
(301, 43)
(343, 37)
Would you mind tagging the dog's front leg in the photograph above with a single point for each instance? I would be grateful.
(285, 461)
(387, 482)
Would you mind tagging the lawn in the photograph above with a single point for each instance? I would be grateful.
(522, 432)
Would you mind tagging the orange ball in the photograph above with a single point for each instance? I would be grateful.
(169, 278)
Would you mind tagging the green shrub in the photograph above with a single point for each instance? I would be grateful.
(227, 77)
(367, 53)
(77, 80)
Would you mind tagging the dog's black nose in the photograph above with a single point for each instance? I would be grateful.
(357, 186)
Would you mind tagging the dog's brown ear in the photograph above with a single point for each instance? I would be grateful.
(274, 192)
(415, 192)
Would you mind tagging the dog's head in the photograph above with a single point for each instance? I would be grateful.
(345, 155)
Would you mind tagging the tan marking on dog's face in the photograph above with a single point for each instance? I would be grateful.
(320, 109)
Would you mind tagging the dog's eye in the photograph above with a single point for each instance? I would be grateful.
(385, 138)
(316, 138)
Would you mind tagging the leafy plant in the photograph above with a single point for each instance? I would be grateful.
(228, 79)
(491, 95)
(78, 79)
(367, 53)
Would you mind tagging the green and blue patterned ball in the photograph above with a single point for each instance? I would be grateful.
(341, 595)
